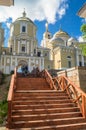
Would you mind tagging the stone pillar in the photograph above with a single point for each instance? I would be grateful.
(18, 47)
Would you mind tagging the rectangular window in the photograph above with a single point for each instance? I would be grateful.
(69, 64)
(23, 29)
(23, 48)
(39, 54)
(80, 63)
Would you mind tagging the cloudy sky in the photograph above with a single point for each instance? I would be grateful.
(56, 12)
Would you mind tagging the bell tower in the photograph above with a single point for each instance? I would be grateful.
(46, 36)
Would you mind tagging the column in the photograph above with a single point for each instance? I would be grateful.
(77, 58)
(16, 62)
(4, 64)
(11, 63)
(31, 48)
(40, 67)
(18, 47)
(14, 44)
(42, 63)
(41, 52)
(29, 65)
(27, 47)
(82, 60)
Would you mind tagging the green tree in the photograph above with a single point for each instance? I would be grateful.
(83, 30)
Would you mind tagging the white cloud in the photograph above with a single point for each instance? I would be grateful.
(36, 9)
(80, 39)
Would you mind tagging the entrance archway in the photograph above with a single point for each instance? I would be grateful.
(20, 64)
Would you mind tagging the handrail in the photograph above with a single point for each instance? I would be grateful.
(10, 98)
(10, 93)
(74, 92)
(48, 78)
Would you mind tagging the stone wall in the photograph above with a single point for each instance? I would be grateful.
(77, 75)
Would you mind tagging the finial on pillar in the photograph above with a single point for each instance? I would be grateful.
(46, 25)
(24, 13)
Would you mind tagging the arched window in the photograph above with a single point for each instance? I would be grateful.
(69, 57)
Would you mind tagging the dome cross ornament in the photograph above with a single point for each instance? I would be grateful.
(24, 13)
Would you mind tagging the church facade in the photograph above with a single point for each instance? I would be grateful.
(59, 51)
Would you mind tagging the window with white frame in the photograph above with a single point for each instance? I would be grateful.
(23, 27)
(23, 48)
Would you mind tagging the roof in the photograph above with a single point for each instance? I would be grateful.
(6, 2)
(82, 11)
(61, 33)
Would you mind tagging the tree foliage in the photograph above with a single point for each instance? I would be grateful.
(83, 29)
(83, 47)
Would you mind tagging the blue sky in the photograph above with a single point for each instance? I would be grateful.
(56, 12)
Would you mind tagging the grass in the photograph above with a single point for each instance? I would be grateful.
(4, 87)
(3, 110)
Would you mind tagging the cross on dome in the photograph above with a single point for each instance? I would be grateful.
(24, 13)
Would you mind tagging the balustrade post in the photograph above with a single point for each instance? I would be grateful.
(84, 106)
(62, 83)
(9, 119)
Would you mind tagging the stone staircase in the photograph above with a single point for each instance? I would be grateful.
(38, 107)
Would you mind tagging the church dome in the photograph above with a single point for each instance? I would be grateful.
(72, 39)
(57, 41)
(61, 33)
(24, 18)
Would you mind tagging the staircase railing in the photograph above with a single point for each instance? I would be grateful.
(74, 92)
(10, 98)
(48, 78)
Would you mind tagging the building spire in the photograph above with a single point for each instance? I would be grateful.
(24, 13)
(46, 25)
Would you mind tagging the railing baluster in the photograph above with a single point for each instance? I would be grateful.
(78, 95)
(84, 106)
